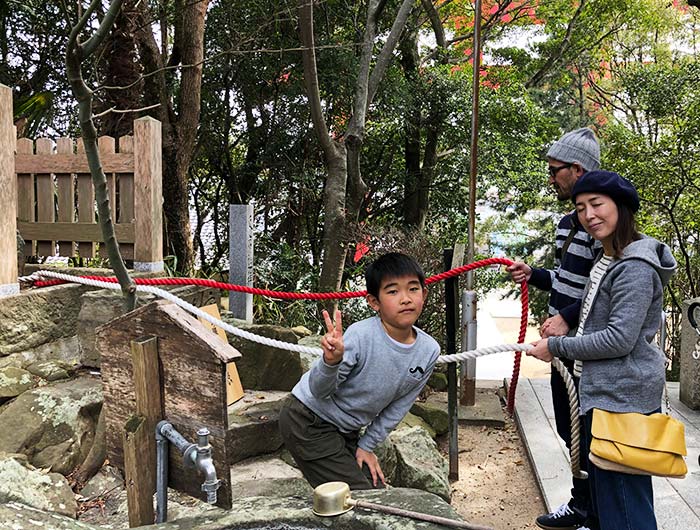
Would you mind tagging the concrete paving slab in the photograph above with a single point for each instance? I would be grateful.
(677, 501)
(487, 409)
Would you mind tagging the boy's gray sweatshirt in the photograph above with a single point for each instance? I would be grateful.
(623, 368)
(375, 384)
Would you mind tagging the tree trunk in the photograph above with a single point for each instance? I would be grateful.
(334, 226)
(76, 54)
(345, 189)
(179, 115)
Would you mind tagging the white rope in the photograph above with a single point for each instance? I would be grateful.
(192, 309)
(470, 354)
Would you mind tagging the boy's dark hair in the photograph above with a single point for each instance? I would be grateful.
(391, 265)
(626, 230)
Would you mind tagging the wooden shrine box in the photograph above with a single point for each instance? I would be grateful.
(192, 362)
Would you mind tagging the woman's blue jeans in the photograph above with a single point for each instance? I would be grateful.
(620, 501)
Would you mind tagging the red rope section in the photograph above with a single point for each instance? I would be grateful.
(524, 298)
(524, 302)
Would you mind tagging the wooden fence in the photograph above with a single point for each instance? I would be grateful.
(55, 198)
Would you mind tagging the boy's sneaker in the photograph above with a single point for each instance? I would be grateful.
(565, 517)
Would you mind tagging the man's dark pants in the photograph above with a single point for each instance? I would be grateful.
(322, 452)
(580, 492)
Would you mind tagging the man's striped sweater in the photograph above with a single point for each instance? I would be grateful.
(572, 267)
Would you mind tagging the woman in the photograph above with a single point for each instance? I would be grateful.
(622, 369)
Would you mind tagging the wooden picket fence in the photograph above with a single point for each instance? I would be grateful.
(55, 197)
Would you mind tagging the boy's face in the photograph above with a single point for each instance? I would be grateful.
(400, 301)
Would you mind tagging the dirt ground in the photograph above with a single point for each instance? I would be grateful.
(496, 485)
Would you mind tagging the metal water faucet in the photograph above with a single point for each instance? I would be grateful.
(197, 456)
(204, 462)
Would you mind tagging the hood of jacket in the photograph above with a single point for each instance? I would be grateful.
(657, 254)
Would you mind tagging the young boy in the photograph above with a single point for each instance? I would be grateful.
(369, 376)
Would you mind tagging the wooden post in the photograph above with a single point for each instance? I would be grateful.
(86, 204)
(25, 194)
(45, 198)
(8, 192)
(66, 196)
(124, 211)
(149, 400)
(106, 146)
(139, 431)
(148, 199)
(139, 497)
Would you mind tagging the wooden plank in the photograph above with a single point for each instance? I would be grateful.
(149, 402)
(8, 192)
(81, 232)
(139, 497)
(193, 379)
(25, 194)
(106, 146)
(148, 202)
(45, 198)
(66, 197)
(86, 204)
(125, 192)
(64, 163)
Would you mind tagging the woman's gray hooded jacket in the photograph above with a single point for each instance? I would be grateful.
(623, 368)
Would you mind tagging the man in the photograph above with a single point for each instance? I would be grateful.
(568, 158)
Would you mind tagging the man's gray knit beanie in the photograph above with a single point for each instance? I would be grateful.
(579, 146)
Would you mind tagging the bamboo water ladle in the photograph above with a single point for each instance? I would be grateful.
(333, 498)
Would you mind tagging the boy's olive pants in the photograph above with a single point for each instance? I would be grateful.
(322, 452)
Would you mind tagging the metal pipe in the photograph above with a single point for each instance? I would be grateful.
(161, 476)
(473, 167)
(198, 456)
(205, 464)
(450, 348)
(468, 367)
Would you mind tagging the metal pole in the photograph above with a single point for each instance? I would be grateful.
(467, 383)
(450, 346)
(468, 367)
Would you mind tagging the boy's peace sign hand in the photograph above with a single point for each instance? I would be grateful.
(332, 341)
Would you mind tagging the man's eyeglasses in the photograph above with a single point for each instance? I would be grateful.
(553, 170)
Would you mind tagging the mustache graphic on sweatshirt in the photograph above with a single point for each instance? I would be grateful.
(417, 369)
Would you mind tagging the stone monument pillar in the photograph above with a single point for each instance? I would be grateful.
(690, 354)
(241, 259)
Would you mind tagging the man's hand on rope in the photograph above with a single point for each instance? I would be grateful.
(540, 350)
(554, 326)
(520, 272)
(369, 458)
(332, 342)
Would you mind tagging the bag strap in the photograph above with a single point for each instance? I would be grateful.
(569, 239)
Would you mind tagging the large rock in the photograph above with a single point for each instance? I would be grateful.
(419, 463)
(271, 511)
(50, 370)
(254, 425)
(53, 425)
(37, 317)
(434, 414)
(266, 367)
(14, 381)
(307, 359)
(97, 308)
(23, 483)
(268, 475)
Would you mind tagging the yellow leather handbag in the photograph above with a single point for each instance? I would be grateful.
(638, 444)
